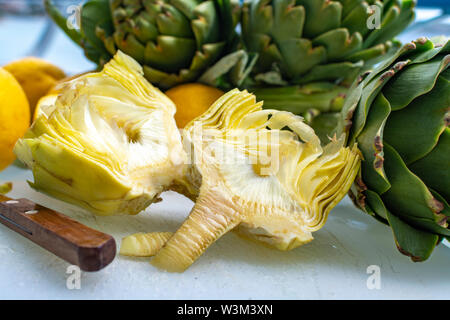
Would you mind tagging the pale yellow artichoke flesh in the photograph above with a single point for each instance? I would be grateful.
(109, 143)
(5, 187)
(249, 172)
(144, 244)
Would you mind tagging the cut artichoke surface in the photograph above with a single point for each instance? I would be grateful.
(109, 143)
(175, 41)
(262, 172)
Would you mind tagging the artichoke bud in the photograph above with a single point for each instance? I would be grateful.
(261, 172)
(401, 127)
(305, 42)
(109, 143)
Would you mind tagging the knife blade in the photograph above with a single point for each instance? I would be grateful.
(68, 239)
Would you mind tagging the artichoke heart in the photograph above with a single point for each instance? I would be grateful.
(109, 143)
(260, 172)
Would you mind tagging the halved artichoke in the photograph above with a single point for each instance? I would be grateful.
(109, 143)
(262, 172)
(144, 244)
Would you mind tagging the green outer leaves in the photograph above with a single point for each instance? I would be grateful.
(175, 40)
(398, 115)
(298, 35)
(302, 42)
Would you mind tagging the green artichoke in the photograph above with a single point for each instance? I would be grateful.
(399, 117)
(311, 51)
(175, 41)
(5, 188)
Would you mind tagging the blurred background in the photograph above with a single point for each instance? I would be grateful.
(26, 31)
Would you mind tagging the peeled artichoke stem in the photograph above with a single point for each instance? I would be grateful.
(210, 219)
(144, 244)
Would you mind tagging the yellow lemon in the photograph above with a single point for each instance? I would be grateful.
(36, 76)
(14, 116)
(192, 100)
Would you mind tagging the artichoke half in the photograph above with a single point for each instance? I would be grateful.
(261, 172)
(311, 51)
(399, 116)
(109, 143)
(175, 41)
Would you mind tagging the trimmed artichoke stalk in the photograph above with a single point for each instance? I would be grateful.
(310, 51)
(109, 143)
(144, 244)
(249, 173)
(399, 116)
(175, 41)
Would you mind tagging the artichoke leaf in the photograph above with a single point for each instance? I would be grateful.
(422, 125)
(407, 191)
(413, 81)
(430, 169)
(416, 244)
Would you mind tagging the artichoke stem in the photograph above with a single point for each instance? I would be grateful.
(144, 244)
(211, 217)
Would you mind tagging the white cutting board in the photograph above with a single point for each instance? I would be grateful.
(333, 266)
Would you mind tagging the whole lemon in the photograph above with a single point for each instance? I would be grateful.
(14, 116)
(36, 76)
(192, 100)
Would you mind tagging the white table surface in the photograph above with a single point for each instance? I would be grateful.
(333, 266)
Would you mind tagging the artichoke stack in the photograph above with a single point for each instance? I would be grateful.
(311, 51)
(175, 41)
(399, 117)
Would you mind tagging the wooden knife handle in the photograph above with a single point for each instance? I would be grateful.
(70, 240)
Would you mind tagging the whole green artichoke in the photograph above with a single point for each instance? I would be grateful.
(399, 116)
(175, 41)
(310, 51)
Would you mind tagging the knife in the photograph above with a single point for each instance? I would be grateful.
(68, 239)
